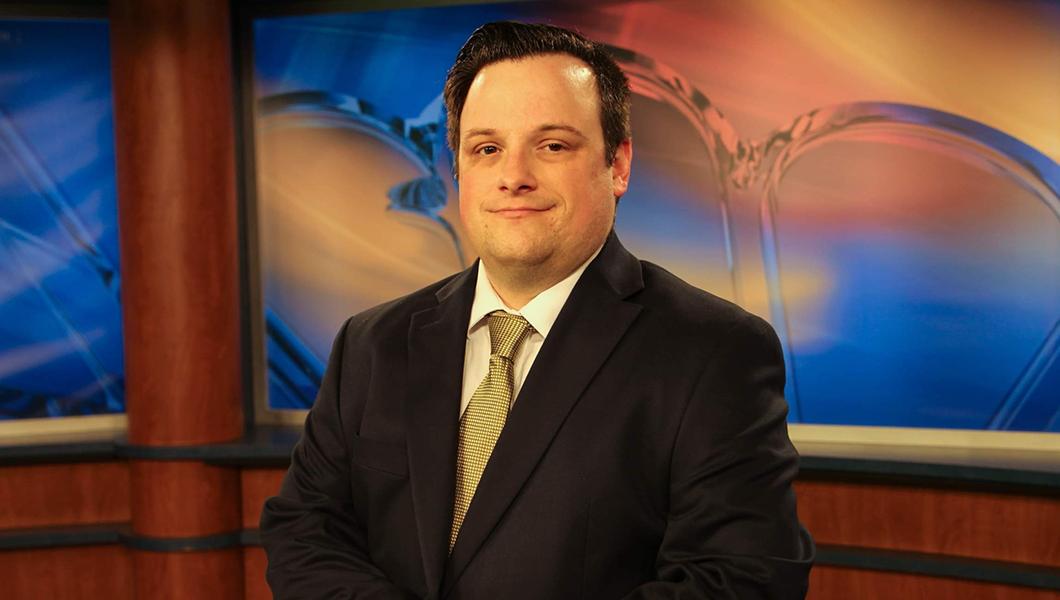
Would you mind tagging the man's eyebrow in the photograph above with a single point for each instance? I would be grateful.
(545, 128)
(560, 127)
(479, 132)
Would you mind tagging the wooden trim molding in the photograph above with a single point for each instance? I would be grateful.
(841, 583)
(204, 575)
(971, 524)
(68, 572)
(934, 565)
(256, 486)
(64, 494)
(183, 499)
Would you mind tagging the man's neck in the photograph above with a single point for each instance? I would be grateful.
(516, 286)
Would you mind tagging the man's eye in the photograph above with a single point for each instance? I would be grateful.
(555, 147)
(487, 150)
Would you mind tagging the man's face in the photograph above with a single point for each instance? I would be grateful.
(535, 193)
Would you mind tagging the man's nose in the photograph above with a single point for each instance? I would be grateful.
(517, 173)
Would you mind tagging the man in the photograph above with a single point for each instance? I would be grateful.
(645, 453)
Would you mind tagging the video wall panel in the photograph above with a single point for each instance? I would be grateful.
(60, 317)
(883, 189)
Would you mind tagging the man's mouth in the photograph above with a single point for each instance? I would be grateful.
(514, 212)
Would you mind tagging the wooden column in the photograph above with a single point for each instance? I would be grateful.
(175, 146)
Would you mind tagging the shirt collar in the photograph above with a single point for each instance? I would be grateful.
(541, 312)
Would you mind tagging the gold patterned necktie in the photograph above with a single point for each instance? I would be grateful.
(485, 415)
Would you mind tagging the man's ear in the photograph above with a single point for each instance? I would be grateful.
(620, 168)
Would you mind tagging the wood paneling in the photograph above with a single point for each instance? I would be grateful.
(993, 526)
(78, 573)
(63, 494)
(175, 151)
(184, 498)
(189, 575)
(254, 584)
(258, 485)
(833, 583)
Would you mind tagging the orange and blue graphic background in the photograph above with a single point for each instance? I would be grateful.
(877, 178)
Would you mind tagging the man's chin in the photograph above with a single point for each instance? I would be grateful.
(522, 260)
(519, 258)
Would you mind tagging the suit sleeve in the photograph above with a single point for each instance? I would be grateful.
(732, 529)
(315, 545)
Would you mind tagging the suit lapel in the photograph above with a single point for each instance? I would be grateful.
(436, 363)
(593, 320)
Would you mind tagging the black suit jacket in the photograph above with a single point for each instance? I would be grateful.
(646, 456)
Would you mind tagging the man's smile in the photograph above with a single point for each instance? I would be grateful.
(517, 212)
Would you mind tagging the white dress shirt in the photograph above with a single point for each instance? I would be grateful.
(540, 312)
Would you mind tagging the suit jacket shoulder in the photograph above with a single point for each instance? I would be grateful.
(695, 318)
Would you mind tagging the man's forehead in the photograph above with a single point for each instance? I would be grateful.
(535, 92)
(559, 65)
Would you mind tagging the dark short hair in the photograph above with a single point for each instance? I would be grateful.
(509, 40)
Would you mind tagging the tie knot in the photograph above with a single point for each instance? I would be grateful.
(507, 332)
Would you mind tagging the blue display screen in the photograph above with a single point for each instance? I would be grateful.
(60, 315)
